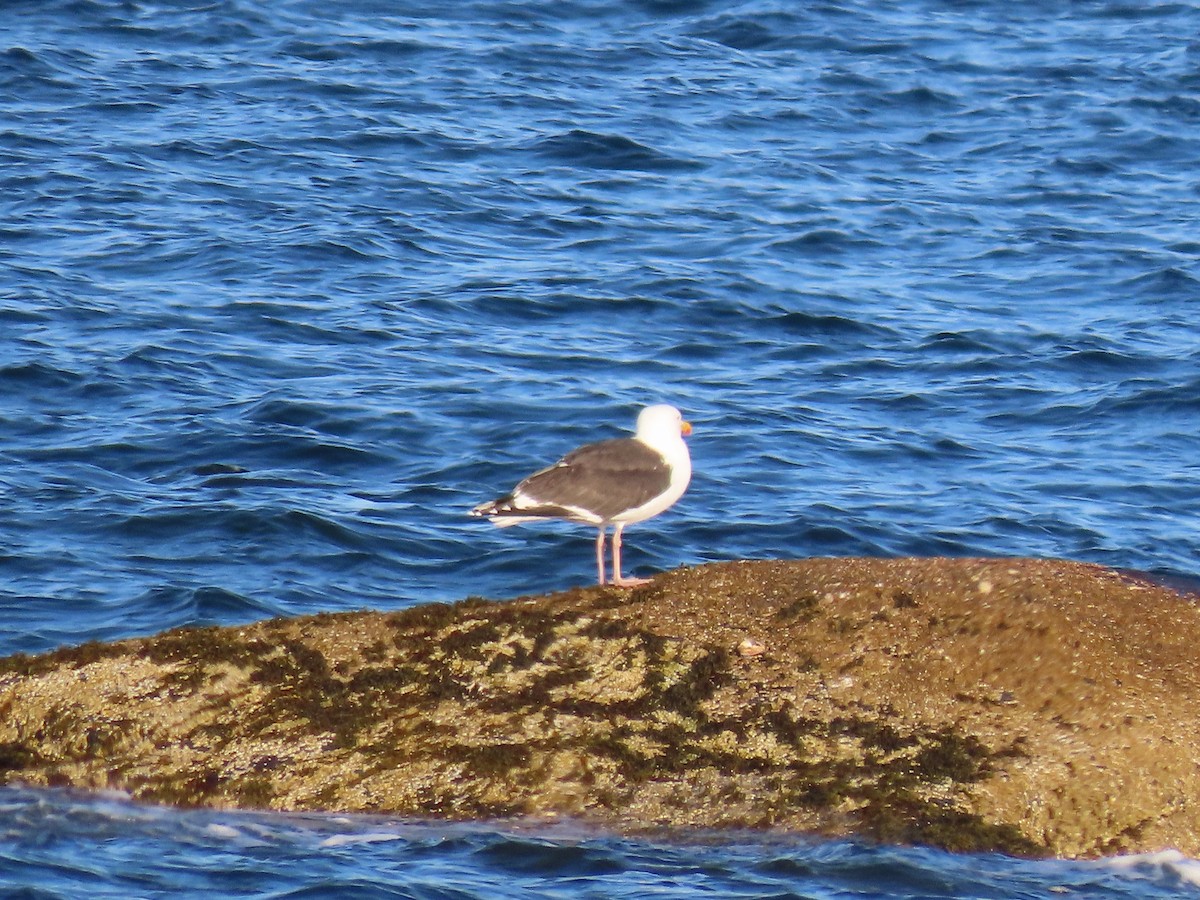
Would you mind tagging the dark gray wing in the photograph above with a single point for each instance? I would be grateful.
(606, 478)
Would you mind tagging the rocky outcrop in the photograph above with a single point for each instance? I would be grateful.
(1032, 707)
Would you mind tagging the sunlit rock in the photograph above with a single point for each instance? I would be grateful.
(1032, 707)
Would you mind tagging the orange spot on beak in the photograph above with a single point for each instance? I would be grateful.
(685, 428)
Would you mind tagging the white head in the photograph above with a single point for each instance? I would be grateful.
(661, 424)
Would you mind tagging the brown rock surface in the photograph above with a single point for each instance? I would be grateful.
(1035, 707)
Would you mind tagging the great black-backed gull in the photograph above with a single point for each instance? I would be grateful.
(614, 482)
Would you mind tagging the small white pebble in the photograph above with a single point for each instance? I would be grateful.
(985, 587)
(750, 647)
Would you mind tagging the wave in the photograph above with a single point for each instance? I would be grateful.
(596, 150)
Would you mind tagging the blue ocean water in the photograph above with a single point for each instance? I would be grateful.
(286, 288)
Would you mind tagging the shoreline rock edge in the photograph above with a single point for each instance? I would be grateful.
(1033, 707)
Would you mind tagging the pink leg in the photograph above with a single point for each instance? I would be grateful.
(600, 556)
(618, 578)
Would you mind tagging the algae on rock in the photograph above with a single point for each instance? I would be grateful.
(1033, 707)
